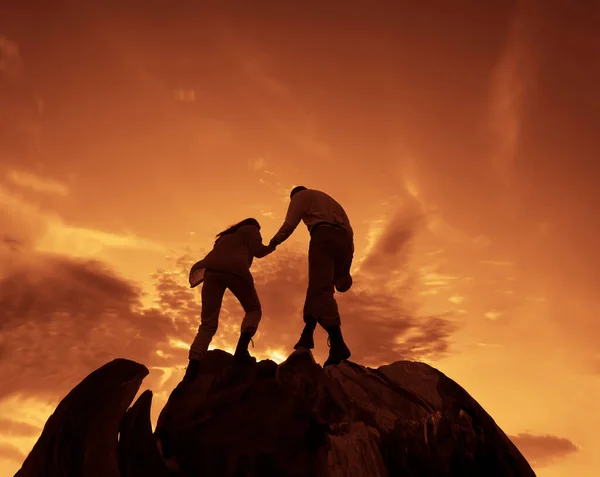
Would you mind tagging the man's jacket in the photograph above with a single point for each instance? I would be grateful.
(312, 207)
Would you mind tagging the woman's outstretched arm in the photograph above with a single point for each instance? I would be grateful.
(257, 248)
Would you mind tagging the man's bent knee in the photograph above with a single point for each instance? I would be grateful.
(320, 306)
(331, 321)
(309, 319)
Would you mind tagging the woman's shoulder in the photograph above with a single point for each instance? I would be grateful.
(239, 236)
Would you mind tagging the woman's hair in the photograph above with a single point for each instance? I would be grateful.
(234, 228)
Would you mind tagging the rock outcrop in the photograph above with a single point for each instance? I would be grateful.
(260, 419)
(81, 436)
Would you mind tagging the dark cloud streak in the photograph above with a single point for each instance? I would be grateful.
(61, 318)
(542, 450)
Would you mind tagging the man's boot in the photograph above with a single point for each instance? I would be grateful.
(306, 338)
(338, 351)
(241, 351)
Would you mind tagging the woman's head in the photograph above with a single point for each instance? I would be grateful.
(234, 228)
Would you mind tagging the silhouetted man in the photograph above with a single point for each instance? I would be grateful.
(330, 256)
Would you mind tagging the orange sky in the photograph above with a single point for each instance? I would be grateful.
(459, 136)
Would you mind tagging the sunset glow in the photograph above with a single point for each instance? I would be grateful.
(463, 144)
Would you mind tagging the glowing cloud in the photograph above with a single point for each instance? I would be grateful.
(37, 183)
(47, 232)
(492, 315)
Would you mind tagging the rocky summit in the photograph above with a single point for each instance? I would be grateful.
(296, 419)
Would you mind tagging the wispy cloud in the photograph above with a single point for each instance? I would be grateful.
(497, 263)
(270, 178)
(185, 95)
(391, 235)
(36, 183)
(509, 83)
(12, 453)
(269, 214)
(257, 164)
(256, 70)
(488, 345)
(411, 201)
(542, 450)
(9, 426)
(254, 65)
(492, 315)
(81, 242)
(456, 299)
(439, 226)
(10, 58)
(46, 231)
(310, 141)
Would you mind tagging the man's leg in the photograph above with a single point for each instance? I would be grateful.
(306, 338)
(316, 278)
(246, 294)
(320, 301)
(344, 254)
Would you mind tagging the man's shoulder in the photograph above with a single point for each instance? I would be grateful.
(308, 193)
(304, 196)
(324, 196)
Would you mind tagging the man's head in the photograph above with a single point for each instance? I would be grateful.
(296, 189)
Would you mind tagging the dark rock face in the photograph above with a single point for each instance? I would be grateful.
(138, 453)
(80, 437)
(402, 419)
(296, 419)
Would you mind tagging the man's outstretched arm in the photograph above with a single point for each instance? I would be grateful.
(295, 212)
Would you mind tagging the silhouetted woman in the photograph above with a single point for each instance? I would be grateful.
(227, 266)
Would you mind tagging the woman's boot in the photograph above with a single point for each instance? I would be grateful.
(241, 351)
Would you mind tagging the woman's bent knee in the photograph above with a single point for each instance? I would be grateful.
(208, 327)
(251, 321)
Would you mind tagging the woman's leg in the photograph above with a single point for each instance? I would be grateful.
(246, 294)
(213, 290)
